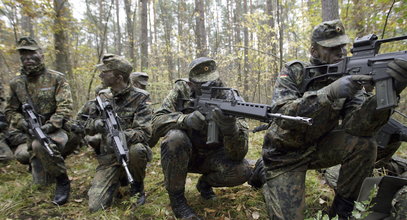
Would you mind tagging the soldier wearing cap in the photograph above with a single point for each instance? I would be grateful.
(184, 149)
(139, 79)
(132, 108)
(5, 152)
(289, 149)
(50, 96)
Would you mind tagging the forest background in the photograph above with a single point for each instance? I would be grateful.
(250, 40)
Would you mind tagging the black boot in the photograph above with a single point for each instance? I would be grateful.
(63, 188)
(205, 189)
(342, 207)
(180, 206)
(257, 179)
(137, 189)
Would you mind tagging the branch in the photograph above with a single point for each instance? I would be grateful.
(387, 17)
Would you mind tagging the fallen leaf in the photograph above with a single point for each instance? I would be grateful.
(78, 200)
(209, 210)
(255, 215)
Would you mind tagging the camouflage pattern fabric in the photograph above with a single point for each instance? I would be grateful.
(51, 96)
(131, 106)
(399, 204)
(185, 150)
(5, 152)
(292, 148)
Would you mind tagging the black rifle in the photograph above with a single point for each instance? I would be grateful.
(392, 127)
(34, 126)
(367, 61)
(118, 139)
(234, 106)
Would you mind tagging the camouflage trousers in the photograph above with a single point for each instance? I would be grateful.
(110, 174)
(178, 157)
(5, 152)
(399, 204)
(284, 191)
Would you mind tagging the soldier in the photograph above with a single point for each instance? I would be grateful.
(289, 150)
(5, 152)
(50, 95)
(139, 79)
(184, 149)
(131, 106)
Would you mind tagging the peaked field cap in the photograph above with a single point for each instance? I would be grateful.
(27, 43)
(140, 77)
(115, 62)
(330, 34)
(203, 69)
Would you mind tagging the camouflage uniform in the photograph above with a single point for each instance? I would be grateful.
(50, 95)
(139, 79)
(341, 134)
(5, 152)
(184, 150)
(132, 108)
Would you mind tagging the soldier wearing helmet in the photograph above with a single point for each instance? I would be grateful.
(184, 149)
(289, 150)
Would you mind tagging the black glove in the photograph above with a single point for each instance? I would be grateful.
(195, 120)
(99, 125)
(398, 70)
(3, 126)
(345, 87)
(227, 124)
(48, 128)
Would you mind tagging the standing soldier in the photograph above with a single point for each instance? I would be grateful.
(289, 150)
(49, 95)
(131, 106)
(139, 79)
(184, 149)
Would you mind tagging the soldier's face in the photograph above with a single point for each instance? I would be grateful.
(329, 54)
(31, 58)
(109, 78)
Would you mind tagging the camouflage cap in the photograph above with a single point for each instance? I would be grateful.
(115, 62)
(203, 69)
(330, 34)
(27, 43)
(140, 77)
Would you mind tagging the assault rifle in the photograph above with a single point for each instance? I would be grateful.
(367, 61)
(234, 106)
(118, 139)
(34, 126)
(392, 127)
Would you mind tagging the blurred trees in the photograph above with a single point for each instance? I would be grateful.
(249, 39)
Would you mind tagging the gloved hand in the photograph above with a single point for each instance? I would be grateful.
(48, 128)
(398, 70)
(99, 125)
(345, 87)
(227, 124)
(195, 120)
(3, 126)
(22, 125)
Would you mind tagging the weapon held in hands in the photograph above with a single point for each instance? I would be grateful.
(236, 107)
(118, 139)
(34, 126)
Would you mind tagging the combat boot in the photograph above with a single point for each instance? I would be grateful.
(62, 190)
(137, 189)
(257, 179)
(342, 207)
(180, 207)
(205, 189)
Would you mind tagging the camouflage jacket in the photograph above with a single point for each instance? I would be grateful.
(132, 107)
(357, 115)
(49, 92)
(177, 105)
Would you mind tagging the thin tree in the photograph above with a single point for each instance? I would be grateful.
(144, 35)
(200, 31)
(330, 10)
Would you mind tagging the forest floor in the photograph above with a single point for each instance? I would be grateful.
(20, 199)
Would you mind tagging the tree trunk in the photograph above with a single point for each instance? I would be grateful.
(330, 10)
(200, 31)
(165, 13)
(118, 37)
(130, 30)
(27, 25)
(144, 36)
(246, 54)
(280, 31)
(238, 40)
